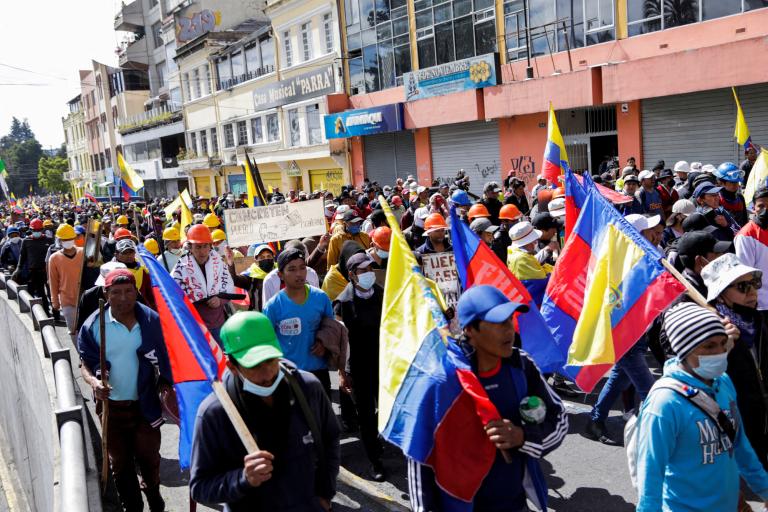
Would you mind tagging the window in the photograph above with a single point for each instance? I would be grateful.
(214, 141)
(160, 71)
(287, 49)
(328, 32)
(267, 54)
(652, 15)
(196, 84)
(170, 53)
(314, 132)
(187, 86)
(238, 66)
(193, 142)
(306, 41)
(229, 136)
(203, 143)
(153, 149)
(253, 60)
(242, 133)
(224, 71)
(257, 131)
(157, 35)
(273, 128)
(294, 128)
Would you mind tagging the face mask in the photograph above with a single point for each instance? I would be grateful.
(37, 234)
(221, 248)
(762, 219)
(175, 252)
(711, 367)
(255, 389)
(15, 240)
(382, 254)
(67, 244)
(329, 212)
(353, 229)
(366, 281)
(267, 265)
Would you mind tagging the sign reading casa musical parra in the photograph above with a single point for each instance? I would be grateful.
(317, 82)
(461, 75)
(364, 121)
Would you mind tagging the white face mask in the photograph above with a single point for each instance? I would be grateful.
(264, 391)
(67, 244)
(175, 252)
(711, 367)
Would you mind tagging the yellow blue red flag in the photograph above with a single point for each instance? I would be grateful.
(607, 287)
(741, 131)
(130, 181)
(555, 155)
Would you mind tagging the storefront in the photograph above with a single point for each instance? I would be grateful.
(473, 147)
(327, 179)
(698, 127)
(388, 152)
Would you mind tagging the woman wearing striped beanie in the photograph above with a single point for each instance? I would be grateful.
(686, 460)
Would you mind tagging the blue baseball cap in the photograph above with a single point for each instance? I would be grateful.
(486, 303)
(706, 188)
(79, 230)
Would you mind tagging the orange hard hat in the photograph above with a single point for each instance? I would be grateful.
(477, 210)
(199, 234)
(121, 233)
(382, 236)
(434, 222)
(558, 192)
(509, 212)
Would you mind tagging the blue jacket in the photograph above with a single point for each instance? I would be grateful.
(683, 462)
(153, 358)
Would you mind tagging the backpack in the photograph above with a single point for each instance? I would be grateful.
(703, 401)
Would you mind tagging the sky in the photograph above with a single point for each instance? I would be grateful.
(53, 39)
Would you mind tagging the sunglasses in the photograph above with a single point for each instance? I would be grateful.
(746, 286)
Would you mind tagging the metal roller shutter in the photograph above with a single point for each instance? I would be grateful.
(696, 127)
(473, 147)
(389, 156)
(753, 102)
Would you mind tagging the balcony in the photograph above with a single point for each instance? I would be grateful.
(165, 114)
(129, 18)
(72, 175)
(135, 51)
(231, 82)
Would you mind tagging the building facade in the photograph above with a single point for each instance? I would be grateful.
(645, 79)
(75, 140)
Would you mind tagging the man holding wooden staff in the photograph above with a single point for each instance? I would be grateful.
(135, 354)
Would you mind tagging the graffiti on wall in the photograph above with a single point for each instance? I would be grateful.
(196, 24)
(524, 168)
(487, 170)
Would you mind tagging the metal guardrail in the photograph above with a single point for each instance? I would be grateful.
(69, 414)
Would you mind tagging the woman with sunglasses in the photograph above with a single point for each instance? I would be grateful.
(732, 290)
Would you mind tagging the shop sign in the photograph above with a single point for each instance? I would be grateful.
(309, 85)
(461, 75)
(364, 121)
(294, 171)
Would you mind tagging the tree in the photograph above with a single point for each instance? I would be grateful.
(21, 153)
(50, 174)
(62, 152)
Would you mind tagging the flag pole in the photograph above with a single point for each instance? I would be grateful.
(234, 416)
(104, 403)
(697, 297)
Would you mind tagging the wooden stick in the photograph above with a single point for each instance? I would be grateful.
(234, 416)
(104, 403)
(697, 297)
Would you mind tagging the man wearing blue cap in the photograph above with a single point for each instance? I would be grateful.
(533, 418)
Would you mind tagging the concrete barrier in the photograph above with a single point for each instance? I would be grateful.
(26, 414)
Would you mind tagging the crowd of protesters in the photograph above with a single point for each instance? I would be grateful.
(297, 310)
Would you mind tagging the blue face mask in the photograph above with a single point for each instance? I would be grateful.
(353, 229)
(382, 254)
(711, 367)
(255, 389)
(366, 280)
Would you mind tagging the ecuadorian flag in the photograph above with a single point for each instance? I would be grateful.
(555, 155)
(741, 131)
(196, 359)
(606, 289)
(430, 401)
(130, 181)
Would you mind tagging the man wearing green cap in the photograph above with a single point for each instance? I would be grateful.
(288, 414)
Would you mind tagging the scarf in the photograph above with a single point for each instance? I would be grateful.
(746, 325)
(198, 286)
(254, 272)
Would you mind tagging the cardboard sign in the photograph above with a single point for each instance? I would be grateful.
(264, 224)
(441, 268)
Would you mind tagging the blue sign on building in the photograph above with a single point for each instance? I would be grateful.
(364, 121)
(461, 75)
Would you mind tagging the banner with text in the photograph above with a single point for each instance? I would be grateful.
(441, 268)
(263, 224)
(461, 75)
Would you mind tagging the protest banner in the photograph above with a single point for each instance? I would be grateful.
(441, 268)
(263, 224)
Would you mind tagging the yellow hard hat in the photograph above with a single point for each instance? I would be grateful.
(151, 245)
(122, 220)
(115, 209)
(211, 220)
(47, 223)
(65, 232)
(218, 235)
(171, 234)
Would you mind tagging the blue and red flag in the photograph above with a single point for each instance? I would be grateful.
(555, 155)
(196, 360)
(605, 291)
(477, 264)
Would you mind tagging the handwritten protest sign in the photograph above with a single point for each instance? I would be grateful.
(441, 268)
(246, 226)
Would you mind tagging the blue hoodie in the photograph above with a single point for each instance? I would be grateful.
(680, 463)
